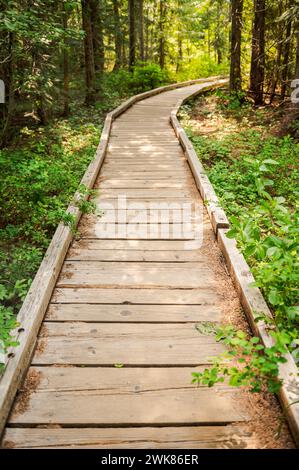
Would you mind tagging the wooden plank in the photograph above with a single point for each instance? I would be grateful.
(132, 274)
(187, 437)
(111, 231)
(133, 313)
(175, 203)
(152, 216)
(148, 166)
(153, 175)
(125, 343)
(127, 396)
(143, 183)
(145, 158)
(91, 254)
(134, 245)
(148, 193)
(136, 296)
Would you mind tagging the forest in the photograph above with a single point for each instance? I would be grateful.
(65, 63)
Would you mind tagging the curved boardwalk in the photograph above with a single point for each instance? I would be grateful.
(120, 339)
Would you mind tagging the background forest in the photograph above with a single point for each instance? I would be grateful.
(66, 63)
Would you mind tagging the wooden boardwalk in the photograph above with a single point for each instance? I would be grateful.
(112, 368)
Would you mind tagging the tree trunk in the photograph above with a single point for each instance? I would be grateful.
(88, 49)
(257, 71)
(236, 36)
(276, 71)
(117, 36)
(297, 56)
(146, 54)
(218, 42)
(66, 78)
(286, 60)
(132, 35)
(292, 111)
(141, 30)
(9, 91)
(180, 53)
(96, 11)
(162, 38)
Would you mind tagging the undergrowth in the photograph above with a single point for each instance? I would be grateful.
(255, 176)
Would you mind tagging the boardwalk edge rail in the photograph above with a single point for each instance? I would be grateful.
(251, 298)
(34, 307)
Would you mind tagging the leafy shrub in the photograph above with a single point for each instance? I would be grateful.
(147, 77)
(39, 177)
(256, 179)
(231, 101)
(201, 67)
(255, 366)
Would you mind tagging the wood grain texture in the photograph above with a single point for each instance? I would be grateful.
(124, 343)
(136, 296)
(132, 274)
(187, 437)
(76, 396)
(133, 313)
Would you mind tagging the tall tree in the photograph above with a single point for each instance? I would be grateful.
(297, 56)
(257, 70)
(66, 76)
(88, 51)
(235, 83)
(286, 57)
(218, 32)
(132, 34)
(141, 30)
(96, 7)
(117, 36)
(277, 66)
(162, 13)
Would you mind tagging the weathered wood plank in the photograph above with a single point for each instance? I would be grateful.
(91, 254)
(153, 175)
(134, 245)
(136, 296)
(150, 193)
(110, 396)
(103, 230)
(194, 437)
(125, 343)
(141, 184)
(133, 313)
(134, 215)
(133, 274)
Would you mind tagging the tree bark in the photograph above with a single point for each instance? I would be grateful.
(218, 42)
(286, 60)
(297, 56)
(180, 52)
(117, 36)
(9, 91)
(96, 11)
(66, 77)
(132, 35)
(88, 50)
(141, 30)
(162, 12)
(276, 71)
(257, 71)
(236, 36)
